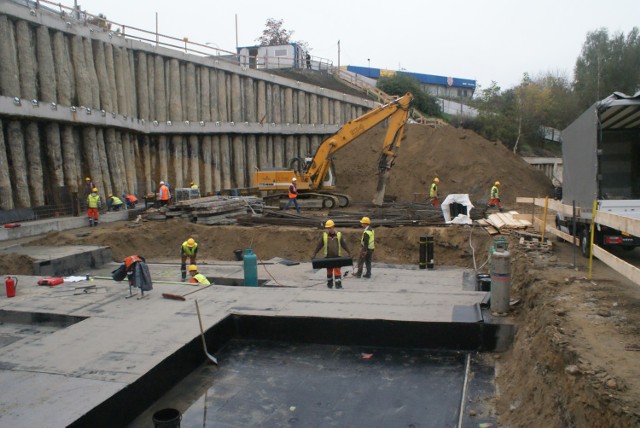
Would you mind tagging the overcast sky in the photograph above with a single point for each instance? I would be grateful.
(490, 40)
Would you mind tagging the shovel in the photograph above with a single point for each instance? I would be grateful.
(204, 344)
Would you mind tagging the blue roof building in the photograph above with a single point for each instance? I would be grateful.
(438, 86)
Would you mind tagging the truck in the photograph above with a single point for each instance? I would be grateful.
(315, 175)
(601, 162)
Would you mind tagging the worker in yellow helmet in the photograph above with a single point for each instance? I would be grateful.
(93, 204)
(197, 277)
(494, 196)
(367, 245)
(188, 249)
(333, 244)
(193, 185)
(88, 186)
(433, 192)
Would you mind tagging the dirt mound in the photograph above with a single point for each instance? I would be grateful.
(16, 264)
(463, 161)
(393, 245)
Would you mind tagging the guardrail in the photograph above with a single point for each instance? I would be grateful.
(624, 224)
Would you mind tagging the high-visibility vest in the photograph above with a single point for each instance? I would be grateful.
(130, 261)
(93, 200)
(325, 240)
(116, 200)
(293, 191)
(433, 193)
(189, 251)
(200, 279)
(371, 234)
(194, 186)
(495, 193)
(132, 199)
(164, 193)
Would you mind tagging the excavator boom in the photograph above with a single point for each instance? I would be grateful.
(316, 175)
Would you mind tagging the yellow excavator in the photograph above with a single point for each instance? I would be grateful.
(315, 176)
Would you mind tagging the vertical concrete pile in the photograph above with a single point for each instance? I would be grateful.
(113, 76)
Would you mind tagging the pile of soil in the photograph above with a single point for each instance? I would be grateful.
(463, 161)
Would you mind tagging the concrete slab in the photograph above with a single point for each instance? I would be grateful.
(60, 261)
(122, 340)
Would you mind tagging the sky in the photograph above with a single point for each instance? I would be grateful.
(483, 40)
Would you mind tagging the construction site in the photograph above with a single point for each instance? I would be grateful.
(471, 315)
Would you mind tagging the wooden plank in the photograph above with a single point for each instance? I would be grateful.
(624, 224)
(619, 265)
(554, 205)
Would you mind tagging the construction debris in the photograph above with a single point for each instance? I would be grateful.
(209, 210)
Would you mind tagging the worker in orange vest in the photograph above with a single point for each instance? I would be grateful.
(293, 195)
(164, 194)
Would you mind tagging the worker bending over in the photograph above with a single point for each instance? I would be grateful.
(130, 200)
(114, 203)
(197, 277)
(188, 249)
(367, 245)
(333, 244)
(93, 203)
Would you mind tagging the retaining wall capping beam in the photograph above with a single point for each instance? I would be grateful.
(32, 109)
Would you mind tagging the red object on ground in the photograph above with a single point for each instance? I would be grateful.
(12, 225)
(50, 281)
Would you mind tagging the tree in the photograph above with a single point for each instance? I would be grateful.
(274, 34)
(607, 64)
(399, 84)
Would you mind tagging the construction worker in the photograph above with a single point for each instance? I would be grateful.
(197, 277)
(494, 197)
(130, 200)
(193, 185)
(88, 186)
(433, 192)
(293, 195)
(114, 203)
(367, 245)
(164, 194)
(333, 244)
(93, 204)
(189, 248)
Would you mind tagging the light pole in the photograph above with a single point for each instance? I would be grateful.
(369, 61)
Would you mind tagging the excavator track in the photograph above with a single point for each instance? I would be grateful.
(328, 200)
(343, 200)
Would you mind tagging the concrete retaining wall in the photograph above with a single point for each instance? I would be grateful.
(78, 101)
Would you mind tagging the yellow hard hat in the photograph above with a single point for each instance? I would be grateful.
(191, 242)
(497, 183)
(436, 180)
(111, 195)
(329, 223)
(191, 268)
(365, 220)
(95, 189)
(87, 179)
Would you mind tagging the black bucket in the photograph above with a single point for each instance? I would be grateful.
(238, 254)
(167, 418)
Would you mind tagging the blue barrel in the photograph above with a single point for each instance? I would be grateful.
(250, 268)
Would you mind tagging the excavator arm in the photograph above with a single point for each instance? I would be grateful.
(396, 111)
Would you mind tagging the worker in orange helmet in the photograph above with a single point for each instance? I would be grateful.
(333, 244)
(188, 249)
